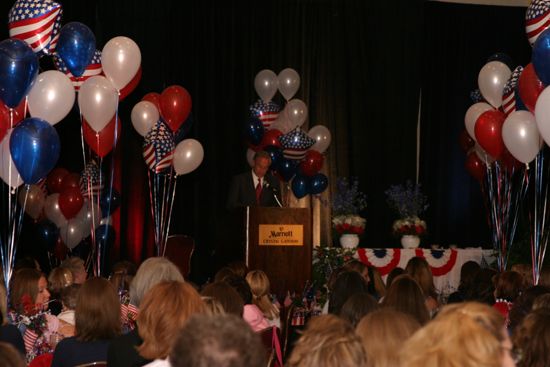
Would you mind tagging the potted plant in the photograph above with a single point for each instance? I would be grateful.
(410, 203)
(347, 203)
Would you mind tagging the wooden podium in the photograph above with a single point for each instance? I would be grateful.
(279, 242)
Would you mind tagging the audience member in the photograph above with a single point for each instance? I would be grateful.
(526, 271)
(10, 357)
(532, 339)
(58, 279)
(251, 313)
(483, 289)
(383, 333)
(213, 306)
(238, 268)
(464, 334)
(357, 306)
(164, 311)
(394, 273)
(121, 278)
(227, 296)
(223, 273)
(508, 286)
(542, 302)
(346, 284)
(69, 296)
(77, 267)
(405, 295)
(261, 296)
(328, 341)
(217, 340)
(419, 269)
(97, 320)
(376, 285)
(11, 335)
(468, 271)
(523, 305)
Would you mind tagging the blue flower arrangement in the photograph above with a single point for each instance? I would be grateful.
(407, 200)
(347, 199)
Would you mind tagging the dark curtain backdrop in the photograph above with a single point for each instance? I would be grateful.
(458, 41)
(362, 65)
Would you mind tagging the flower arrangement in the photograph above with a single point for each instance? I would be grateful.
(408, 200)
(347, 202)
(409, 226)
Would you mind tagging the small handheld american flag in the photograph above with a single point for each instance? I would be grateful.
(509, 92)
(36, 22)
(93, 68)
(158, 147)
(90, 180)
(295, 144)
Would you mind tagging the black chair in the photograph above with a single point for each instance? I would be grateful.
(179, 250)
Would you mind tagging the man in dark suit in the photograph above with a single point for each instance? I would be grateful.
(257, 187)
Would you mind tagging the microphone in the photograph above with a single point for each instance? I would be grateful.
(274, 190)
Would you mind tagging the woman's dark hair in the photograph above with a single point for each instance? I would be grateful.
(358, 305)
(346, 284)
(394, 273)
(241, 286)
(405, 295)
(523, 305)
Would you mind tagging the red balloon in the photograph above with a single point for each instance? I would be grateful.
(154, 98)
(54, 182)
(475, 166)
(271, 137)
(18, 113)
(72, 180)
(465, 141)
(488, 130)
(60, 251)
(175, 106)
(129, 88)
(312, 163)
(70, 202)
(530, 87)
(101, 142)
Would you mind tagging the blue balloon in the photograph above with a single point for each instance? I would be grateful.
(300, 186)
(48, 233)
(183, 130)
(541, 55)
(105, 235)
(254, 131)
(18, 69)
(318, 184)
(109, 202)
(76, 47)
(287, 169)
(276, 154)
(34, 147)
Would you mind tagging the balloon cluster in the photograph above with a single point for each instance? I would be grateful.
(296, 156)
(164, 120)
(63, 214)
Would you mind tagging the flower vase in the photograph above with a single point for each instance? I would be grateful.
(410, 241)
(349, 240)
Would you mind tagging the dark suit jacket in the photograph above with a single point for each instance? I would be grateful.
(243, 193)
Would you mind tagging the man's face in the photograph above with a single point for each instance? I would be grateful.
(261, 165)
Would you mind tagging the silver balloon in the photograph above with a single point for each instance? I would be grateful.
(144, 116)
(8, 171)
(521, 136)
(120, 60)
(51, 97)
(472, 115)
(491, 81)
(32, 198)
(322, 138)
(289, 83)
(296, 112)
(52, 210)
(98, 101)
(265, 84)
(188, 155)
(72, 233)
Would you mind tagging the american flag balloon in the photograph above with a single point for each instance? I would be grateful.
(295, 144)
(35, 21)
(509, 92)
(158, 148)
(90, 180)
(476, 96)
(267, 112)
(537, 19)
(93, 68)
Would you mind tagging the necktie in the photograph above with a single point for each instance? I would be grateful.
(258, 190)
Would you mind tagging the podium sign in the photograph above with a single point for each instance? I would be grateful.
(279, 242)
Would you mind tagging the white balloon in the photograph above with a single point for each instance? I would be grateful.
(521, 136)
(483, 155)
(98, 101)
(8, 171)
(491, 81)
(120, 60)
(322, 138)
(51, 97)
(72, 233)
(472, 115)
(144, 116)
(188, 156)
(289, 83)
(296, 112)
(52, 210)
(542, 114)
(265, 84)
(89, 214)
(282, 123)
(250, 157)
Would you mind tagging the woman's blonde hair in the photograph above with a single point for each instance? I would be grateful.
(163, 311)
(259, 285)
(384, 332)
(328, 341)
(59, 278)
(532, 337)
(466, 335)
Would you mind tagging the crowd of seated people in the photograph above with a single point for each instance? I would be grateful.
(153, 317)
